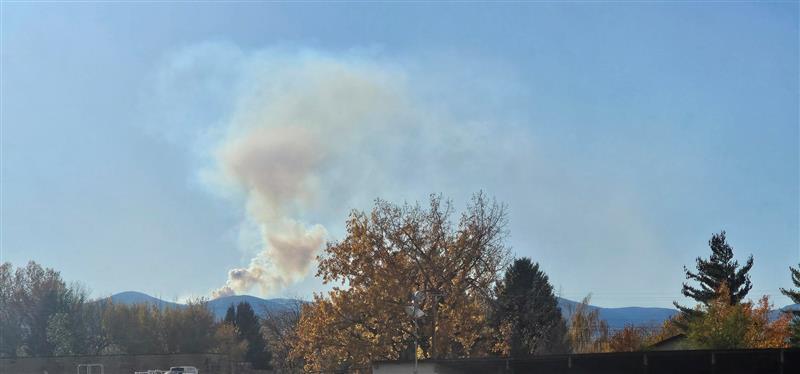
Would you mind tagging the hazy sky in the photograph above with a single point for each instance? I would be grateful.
(621, 136)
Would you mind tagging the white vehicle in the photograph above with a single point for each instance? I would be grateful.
(182, 370)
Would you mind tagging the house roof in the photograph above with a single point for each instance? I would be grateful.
(670, 340)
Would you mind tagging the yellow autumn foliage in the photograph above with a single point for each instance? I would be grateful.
(388, 255)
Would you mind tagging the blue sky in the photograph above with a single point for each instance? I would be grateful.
(620, 135)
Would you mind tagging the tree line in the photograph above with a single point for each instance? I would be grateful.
(477, 301)
(407, 281)
(41, 315)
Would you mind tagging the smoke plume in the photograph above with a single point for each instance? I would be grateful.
(297, 138)
(295, 120)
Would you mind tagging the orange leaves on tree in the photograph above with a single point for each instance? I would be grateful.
(386, 256)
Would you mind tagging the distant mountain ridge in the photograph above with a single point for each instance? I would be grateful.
(133, 297)
(617, 318)
(217, 306)
(778, 312)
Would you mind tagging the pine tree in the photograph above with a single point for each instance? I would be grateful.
(527, 312)
(794, 338)
(230, 315)
(719, 269)
(249, 327)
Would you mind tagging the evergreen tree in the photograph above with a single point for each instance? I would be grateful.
(794, 338)
(719, 269)
(249, 327)
(230, 315)
(527, 312)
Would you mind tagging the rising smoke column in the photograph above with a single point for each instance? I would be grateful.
(297, 137)
(296, 120)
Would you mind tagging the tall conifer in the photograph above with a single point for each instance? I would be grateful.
(528, 312)
(794, 338)
(719, 268)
